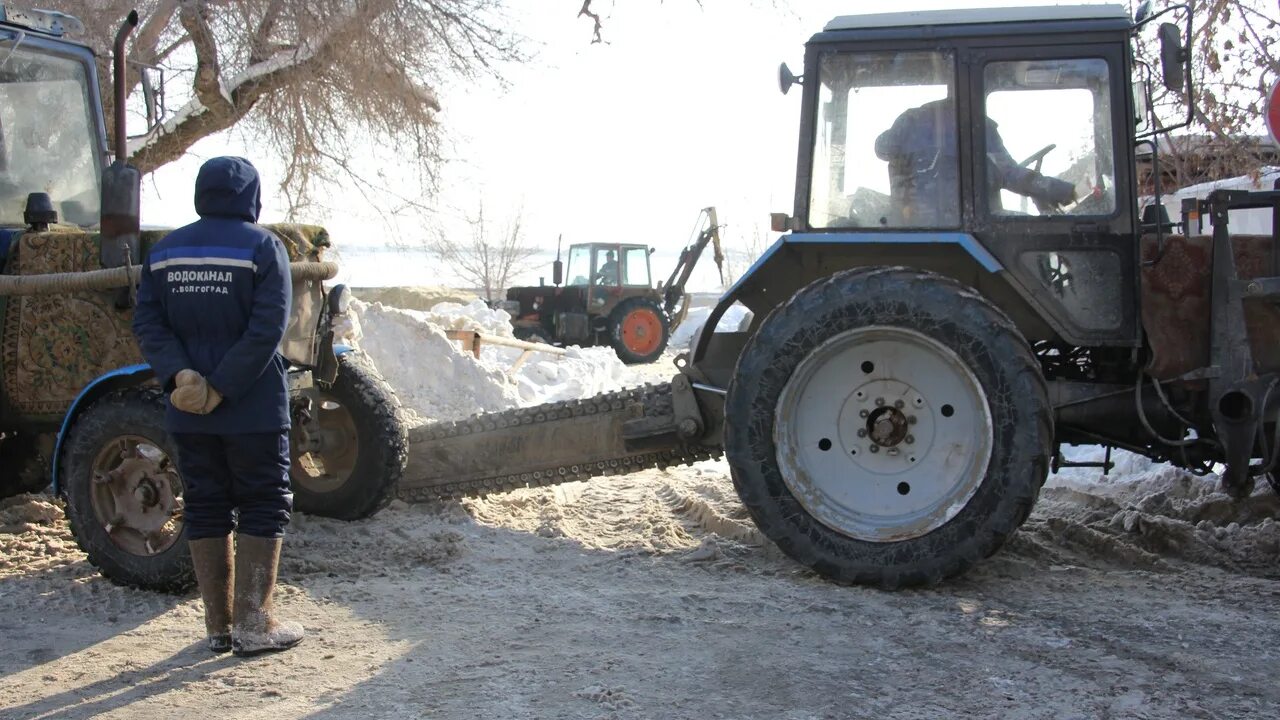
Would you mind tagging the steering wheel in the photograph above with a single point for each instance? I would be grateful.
(1037, 157)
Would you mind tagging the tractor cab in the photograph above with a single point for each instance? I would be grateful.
(609, 265)
(52, 136)
(992, 145)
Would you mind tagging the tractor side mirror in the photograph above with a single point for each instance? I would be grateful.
(1141, 106)
(1173, 57)
(786, 78)
(153, 95)
(557, 272)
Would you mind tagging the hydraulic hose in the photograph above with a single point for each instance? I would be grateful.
(77, 282)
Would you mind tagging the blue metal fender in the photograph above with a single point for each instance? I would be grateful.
(965, 241)
(116, 379)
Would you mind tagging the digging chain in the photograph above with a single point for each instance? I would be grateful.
(656, 402)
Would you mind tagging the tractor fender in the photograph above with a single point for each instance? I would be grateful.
(797, 259)
(117, 379)
(109, 382)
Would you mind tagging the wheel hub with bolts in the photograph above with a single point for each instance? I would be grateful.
(884, 417)
(883, 433)
(134, 496)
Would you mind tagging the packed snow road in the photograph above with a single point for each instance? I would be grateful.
(1142, 595)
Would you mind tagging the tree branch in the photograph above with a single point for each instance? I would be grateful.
(208, 82)
(260, 46)
(147, 39)
(595, 19)
(215, 107)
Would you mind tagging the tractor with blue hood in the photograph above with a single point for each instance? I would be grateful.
(80, 409)
(964, 285)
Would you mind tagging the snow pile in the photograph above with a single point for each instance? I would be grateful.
(1142, 513)
(475, 315)
(579, 373)
(732, 321)
(437, 379)
(21, 511)
(430, 374)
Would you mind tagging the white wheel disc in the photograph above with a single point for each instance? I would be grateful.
(883, 434)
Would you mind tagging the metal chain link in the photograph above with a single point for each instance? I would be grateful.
(655, 399)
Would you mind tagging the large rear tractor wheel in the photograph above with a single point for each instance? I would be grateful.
(124, 493)
(347, 459)
(639, 330)
(888, 426)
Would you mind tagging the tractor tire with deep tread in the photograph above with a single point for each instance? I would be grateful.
(942, 313)
(639, 330)
(133, 412)
(365, 412)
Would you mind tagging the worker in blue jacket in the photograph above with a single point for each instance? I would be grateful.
(213, 305)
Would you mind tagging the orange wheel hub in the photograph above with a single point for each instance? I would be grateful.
(642, 331)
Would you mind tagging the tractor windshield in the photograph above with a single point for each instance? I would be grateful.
(885, 152)
(48, 136)
(579, 270)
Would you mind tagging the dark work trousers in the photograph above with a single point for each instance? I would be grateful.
(248, 473)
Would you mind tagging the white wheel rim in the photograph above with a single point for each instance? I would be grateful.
(883, 434)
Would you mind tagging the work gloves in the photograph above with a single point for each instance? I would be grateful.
(1050, 193)
(193, 394)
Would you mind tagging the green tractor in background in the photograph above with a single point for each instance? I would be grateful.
(609, 298)
(79, 408)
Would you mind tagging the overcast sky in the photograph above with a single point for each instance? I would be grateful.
(624, 141)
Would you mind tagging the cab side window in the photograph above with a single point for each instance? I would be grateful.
(1049, 137)
(606, 264)
(636, 268)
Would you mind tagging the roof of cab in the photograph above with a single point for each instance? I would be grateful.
(978, 16)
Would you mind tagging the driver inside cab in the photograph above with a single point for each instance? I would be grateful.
(924, 163)
(608, 272)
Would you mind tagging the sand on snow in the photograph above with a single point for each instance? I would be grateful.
(1142, 594)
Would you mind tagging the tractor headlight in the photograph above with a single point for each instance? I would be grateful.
(339, 300)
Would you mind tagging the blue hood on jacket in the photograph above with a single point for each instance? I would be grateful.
(228, 187)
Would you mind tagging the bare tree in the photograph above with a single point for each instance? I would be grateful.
(741, 253)
(1235, 57)
(486, 259)
(310, 78)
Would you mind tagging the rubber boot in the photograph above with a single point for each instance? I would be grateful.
(255, 629)
(211, 558)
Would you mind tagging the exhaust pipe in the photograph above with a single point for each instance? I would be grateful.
(122, 36)
(121, 183)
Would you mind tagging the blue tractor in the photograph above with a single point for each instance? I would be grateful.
(79, 409)
(963, 285)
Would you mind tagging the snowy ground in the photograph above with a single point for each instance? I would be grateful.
(1142, 595)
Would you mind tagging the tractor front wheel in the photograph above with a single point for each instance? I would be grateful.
(639, 330)
(888, 426)
(124, 493)
(347, 459)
